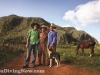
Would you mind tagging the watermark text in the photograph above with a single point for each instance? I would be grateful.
(21, 71)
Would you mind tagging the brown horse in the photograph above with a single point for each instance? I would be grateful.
(86, 44)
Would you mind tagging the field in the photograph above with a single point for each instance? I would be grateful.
(90, 63)
(67, 53)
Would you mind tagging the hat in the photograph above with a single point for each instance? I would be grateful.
(52, 25)
(32, 25)
(43, 26)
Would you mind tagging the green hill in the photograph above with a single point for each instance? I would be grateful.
(14, 28)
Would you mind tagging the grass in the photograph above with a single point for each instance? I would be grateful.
(90, 63)
(5, 56)
(67, 53)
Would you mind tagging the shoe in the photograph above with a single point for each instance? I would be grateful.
(39, 64)
(33, 65)
(25, 66)
(44, 64)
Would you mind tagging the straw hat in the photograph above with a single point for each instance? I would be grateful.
(43, 26)
(52, 25)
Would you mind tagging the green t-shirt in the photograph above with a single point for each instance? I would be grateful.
(34, 36)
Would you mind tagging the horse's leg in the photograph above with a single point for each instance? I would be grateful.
(92, 51)
(77, 51)
(82, 51)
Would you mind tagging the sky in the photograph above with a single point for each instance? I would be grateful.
(81, 14)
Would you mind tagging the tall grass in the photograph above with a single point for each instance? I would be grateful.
(90, 63)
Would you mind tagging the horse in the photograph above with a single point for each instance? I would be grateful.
(86, 44)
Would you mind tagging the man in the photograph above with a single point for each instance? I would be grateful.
(32, 42)
(42, 48)
(52, 38)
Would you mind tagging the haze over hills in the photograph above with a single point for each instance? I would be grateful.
(15, 28)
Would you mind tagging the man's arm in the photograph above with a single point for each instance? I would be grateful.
(27, 41)
(54, 38)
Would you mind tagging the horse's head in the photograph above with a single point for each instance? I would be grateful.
(76, 51)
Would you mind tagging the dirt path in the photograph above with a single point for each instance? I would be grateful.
(65, 69)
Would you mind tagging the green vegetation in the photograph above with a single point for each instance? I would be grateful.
(67, 53)
(5, 55)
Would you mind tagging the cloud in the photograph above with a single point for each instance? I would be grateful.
(92, 34)
(66, 26)
(84, 14)
(70, 15)
(78, 28)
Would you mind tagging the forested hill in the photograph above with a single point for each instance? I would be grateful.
(14, 28)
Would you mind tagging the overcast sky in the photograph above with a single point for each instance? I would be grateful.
(81, 14)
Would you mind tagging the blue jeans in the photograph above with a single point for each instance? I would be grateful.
(34, 47)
